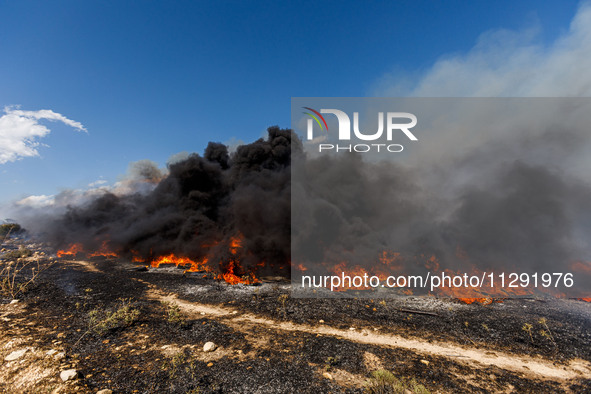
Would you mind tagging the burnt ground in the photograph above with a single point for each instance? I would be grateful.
(270, 342)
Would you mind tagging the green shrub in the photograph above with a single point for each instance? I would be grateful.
(101, 321)
(10, 228)
(384, 382)
(173, 313)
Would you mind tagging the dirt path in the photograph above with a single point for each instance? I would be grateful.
(533, 367)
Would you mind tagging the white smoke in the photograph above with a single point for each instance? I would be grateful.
(506, 63)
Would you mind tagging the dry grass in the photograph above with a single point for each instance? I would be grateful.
(18, 275)
(384, 382)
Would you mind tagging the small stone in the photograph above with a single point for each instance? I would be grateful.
(327, 375)
(209, 347)
(321, 321)
(425, 362)
(105, 391)
(61, 335)
(16, 355)
(351, 328)
(68, 374)
(14, 302)
(210, 364)
(51, 352)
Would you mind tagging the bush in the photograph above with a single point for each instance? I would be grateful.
(384, 382)
(17, 276)
(101, 321)
(173, 313)
(10, 228)
(17, 254)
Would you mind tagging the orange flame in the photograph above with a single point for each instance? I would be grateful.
(72, 250)
(230, 271)
(194, 266)
(483, 301)
(104, 251)
(233, 279)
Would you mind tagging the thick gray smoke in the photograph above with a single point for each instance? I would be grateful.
(491, 185)
(525, 219)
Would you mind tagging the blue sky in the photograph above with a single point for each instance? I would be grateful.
(148, 79)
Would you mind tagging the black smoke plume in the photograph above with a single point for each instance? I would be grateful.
(197, 210)
(513, 213)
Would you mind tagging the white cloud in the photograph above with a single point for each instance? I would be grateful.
(40, 201)
(506, 63)
(21, 130)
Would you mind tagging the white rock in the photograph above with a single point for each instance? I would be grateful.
(209, 347)
(51, 352)
(105, 391)
(68, 374)
(16, 354)
(14, 301)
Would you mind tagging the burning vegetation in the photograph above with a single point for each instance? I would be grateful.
(227, 214)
